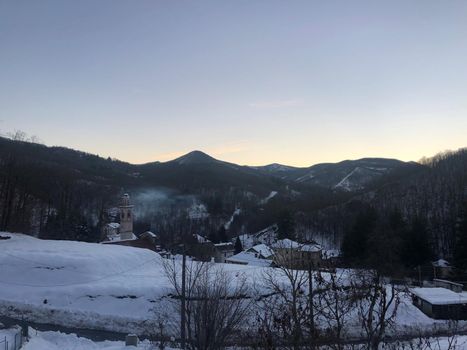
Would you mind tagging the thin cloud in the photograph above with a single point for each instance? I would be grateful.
(234, 147)
(273, 104)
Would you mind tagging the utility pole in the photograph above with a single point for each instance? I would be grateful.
(183, 313)
(420, 276)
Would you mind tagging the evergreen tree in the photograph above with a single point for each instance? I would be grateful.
(238, 246)
(383, 248)
(417, 249)
(355, 242)
(286, 225)
(222, 234)
(213, 236)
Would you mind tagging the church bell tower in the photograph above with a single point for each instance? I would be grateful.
(126, 218)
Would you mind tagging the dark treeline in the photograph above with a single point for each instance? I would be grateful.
(53, 192)
(413, 219)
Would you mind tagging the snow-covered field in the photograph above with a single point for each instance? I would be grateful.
(85, 285)
(108, 287)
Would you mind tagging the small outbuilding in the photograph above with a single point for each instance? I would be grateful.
(441, 303)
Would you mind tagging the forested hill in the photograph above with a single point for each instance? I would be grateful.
(58, 192)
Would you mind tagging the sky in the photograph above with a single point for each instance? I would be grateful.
(247, 81)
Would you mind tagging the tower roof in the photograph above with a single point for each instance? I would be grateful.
(125, 201)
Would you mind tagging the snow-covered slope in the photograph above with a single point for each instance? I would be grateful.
(91, 279)
(80, 284)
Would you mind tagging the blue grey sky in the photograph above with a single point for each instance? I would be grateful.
(253, 82)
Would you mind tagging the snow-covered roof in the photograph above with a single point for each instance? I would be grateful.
(331, 253)
(201, 239)
(441, 263)
(114, 225)
(262, 249)
(149, 233)
(289, 244)
(117, 238)
(224, 246)
(248, 259)
(440, 296)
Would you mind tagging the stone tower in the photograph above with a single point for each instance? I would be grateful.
(126, 218)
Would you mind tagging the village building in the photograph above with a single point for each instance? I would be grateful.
(122, 233)
(258, 255)
(445, 301)
(266, 236)
(202, 249)
(223, 251)
(196, 246)
(111, 230)
(296, 255)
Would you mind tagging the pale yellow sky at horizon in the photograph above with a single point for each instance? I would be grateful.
(254, 154)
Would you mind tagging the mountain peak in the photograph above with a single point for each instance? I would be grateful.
(195, 157)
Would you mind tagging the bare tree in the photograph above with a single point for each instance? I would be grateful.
(334, 304)
(285, 313)
(427, 341)
(377, 305)
(17, 135)
(216, 304)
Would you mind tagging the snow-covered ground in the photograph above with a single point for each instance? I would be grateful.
(269, 197)
(236, 212)
(84, 285)
(62, 341)
(8, 336)
(109, 287)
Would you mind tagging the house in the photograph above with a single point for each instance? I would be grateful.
(223, 251)
(296, 255)
(331, 257)
(198, 247)
(261, 251)
(249, 258)
(266, 236)
(440, 303)
(258, 255)
(111, 229)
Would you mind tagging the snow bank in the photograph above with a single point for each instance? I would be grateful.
(60, 341)
(8, 336)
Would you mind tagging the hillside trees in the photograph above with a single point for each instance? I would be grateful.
(417, 248)
(460, 251)
(238, 246)
(355, 242)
